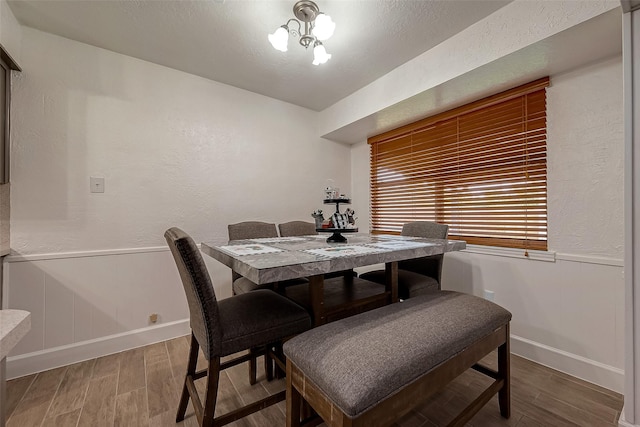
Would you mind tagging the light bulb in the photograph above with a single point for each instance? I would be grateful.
(323, 27)
(280, 38)
(320, 55)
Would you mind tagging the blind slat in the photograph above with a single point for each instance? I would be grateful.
(479, 168)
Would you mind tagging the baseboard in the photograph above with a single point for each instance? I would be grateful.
(589, 370)
(26, 364)
(622, 422)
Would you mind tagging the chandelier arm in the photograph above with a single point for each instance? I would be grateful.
(299, 32)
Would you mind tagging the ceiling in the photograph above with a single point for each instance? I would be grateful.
(226, 40)
(589, 42)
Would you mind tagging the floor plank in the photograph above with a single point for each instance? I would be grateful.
(68, 419)
(155, 353)
(131, 409)
(240, 381)
(162, 390)
(141, 388)
(107, 365)
(34, 405)
(132, 372)
(15, 392)
(73, 388)
(99, 406)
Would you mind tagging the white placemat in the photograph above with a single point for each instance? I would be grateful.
(278, 239)
(400, 244)
(339, 251)
(255, 249)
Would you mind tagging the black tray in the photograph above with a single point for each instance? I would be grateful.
(328, 201)
(336, 237)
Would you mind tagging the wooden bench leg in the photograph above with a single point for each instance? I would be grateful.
(293, 401)
(504, 372)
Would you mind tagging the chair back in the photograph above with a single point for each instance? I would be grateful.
(250, 230)
(203, 306)
(297, 228)
(426, 229)
(428, 266)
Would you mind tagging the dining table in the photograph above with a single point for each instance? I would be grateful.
(282, 259)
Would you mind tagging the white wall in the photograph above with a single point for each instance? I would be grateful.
(568, 314)
(630, 415)
(586, 161)
(10, 38)
(174, 149)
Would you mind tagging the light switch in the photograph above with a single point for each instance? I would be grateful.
(96, 184)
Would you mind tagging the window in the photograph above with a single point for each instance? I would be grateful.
(480, 168)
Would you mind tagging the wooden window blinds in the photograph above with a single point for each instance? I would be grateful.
(480, 168)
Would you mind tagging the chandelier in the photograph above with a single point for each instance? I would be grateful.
(317, 28)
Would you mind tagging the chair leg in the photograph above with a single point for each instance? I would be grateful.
(252, 367)
(279, 372)
(191, 370)
(212, 392)
(268, 365)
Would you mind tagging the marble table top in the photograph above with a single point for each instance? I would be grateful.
(275, 259)
(14, 325)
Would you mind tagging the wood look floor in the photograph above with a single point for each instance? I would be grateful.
(141, 388)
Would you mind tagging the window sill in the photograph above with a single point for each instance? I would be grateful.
(547, 256)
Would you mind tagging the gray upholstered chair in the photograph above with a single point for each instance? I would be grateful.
(241, 285)
(421, 275)
(297, 228)
(259, 319)
(249, 230)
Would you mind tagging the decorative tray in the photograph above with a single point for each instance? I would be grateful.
(337, 237)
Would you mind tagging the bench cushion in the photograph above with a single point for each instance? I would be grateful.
(360, 361)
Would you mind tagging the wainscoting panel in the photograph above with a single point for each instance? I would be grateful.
(568, 315)
(88, 303)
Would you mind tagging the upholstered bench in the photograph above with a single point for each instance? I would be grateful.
(373, 368)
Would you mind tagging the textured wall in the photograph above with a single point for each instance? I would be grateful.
(586, 161)
(174, 149)
(5, 199)
(10, 38)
